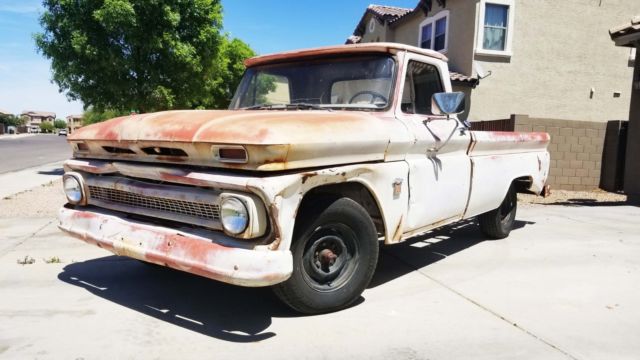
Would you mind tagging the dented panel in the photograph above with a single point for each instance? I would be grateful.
(177, 249)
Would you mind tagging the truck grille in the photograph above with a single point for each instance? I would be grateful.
(185, 204)
(187, 208)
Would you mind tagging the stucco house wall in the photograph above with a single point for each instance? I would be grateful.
(561, 50)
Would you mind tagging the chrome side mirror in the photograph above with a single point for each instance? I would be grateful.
(447, 103)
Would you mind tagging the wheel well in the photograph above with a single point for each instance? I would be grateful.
(523, 184)
(321, 196)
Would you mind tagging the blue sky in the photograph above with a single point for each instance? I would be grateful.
(268, 26)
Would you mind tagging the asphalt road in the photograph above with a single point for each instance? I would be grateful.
(30, 151)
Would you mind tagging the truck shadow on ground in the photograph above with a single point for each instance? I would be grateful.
(233, 313)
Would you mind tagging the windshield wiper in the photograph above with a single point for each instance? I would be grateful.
(295, 106)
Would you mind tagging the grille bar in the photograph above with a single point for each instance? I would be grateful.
(187, 208)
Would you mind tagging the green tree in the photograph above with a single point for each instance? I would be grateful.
(119, 55)
(60, 124)
(46, 127)
(11, 120)
(92, 116)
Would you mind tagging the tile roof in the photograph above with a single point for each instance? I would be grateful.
(458, 77)
(619, 33)
(388, 12)
(39, 113)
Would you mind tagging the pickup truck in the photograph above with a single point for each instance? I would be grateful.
(322, 155)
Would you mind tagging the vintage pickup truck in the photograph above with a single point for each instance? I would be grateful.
(322, 155)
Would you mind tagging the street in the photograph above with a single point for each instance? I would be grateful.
(31, 151)
(562, 286)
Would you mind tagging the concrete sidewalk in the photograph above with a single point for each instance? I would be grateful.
(18, 181)
(564, 285)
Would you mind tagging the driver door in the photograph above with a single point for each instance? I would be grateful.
(439, 170)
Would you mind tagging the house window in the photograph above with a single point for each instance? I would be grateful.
(495, 27)
(427, 34)
(433, 32)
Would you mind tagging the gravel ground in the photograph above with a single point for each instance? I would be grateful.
(573, 198)
(43, 201)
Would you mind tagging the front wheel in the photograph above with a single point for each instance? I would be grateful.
(497, 223)
(335, 252)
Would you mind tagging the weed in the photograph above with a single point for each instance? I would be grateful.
(28, 260)
(53, 260)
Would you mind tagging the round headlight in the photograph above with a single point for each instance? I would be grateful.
(235, 217)
(73, 189)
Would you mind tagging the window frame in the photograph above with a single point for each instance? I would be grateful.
(507, 52)
(432, 21)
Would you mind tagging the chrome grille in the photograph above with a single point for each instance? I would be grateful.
(181, 207)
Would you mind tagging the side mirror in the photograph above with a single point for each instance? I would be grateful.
(447, 103)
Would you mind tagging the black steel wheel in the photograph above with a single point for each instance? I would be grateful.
(335, 251)
(497, 223)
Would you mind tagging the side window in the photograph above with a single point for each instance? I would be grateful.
(421, 82)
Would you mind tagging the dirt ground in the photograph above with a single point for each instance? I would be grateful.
(42, 201)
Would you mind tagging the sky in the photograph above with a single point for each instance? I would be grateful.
(267, 26)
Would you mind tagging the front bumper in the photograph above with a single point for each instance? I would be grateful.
(177, 249)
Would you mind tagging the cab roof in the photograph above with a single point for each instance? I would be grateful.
(380, 47)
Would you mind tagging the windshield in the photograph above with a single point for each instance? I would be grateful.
(354, 82)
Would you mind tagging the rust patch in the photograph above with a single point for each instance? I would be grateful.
(171, 158)
(307, 176)
(273, 214)
(397, 234)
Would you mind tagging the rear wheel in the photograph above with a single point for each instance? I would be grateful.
(497, 223)
(335, 251)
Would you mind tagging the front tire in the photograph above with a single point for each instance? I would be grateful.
(498, 223)
(335, 252)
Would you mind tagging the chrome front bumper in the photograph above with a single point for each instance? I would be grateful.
(211, 258)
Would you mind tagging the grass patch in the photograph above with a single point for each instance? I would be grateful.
(28, 260)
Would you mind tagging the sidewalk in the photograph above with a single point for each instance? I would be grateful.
(15, 136)
(18, 181)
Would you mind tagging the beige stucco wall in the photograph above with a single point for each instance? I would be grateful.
(461, 32)
(379, 32)
(561, 49)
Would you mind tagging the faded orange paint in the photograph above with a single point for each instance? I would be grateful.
(377, 47)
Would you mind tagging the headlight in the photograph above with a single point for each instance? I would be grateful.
(235, 216)
(73, 189)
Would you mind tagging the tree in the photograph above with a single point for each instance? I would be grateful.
(138, 54)
(60, 124)
(46, 127)
(92, 116)
(10, 120)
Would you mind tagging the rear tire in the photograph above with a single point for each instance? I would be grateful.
(335, 252)
(497, 223)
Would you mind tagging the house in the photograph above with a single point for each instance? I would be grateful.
(628, 36)
(550, 62)
(35, 118)
(73, 122)
(546, 59)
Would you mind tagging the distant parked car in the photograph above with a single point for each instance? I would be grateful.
(62, 132)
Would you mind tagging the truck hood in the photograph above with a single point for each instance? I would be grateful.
(274, 139)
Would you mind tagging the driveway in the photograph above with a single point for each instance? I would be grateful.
(564, 285)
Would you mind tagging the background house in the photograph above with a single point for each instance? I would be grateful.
(73, 122)
(550, 61)
(35, 118)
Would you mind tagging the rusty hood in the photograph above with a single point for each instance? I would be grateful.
(274, 139)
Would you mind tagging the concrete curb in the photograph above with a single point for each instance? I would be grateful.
(22, 180)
